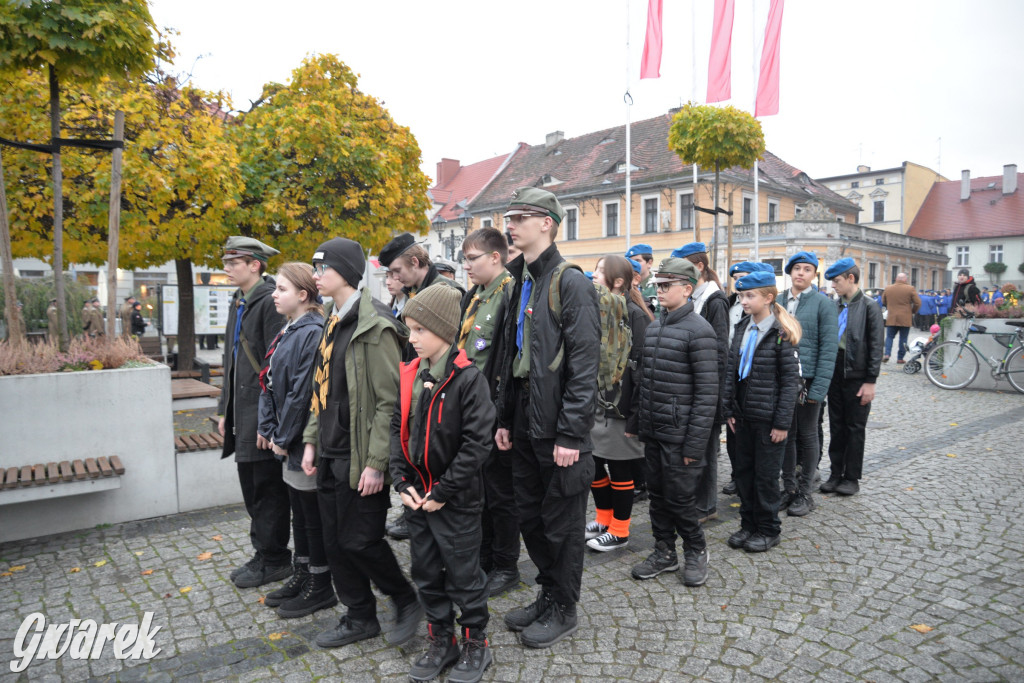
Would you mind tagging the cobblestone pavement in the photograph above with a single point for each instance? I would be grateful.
(932, 540)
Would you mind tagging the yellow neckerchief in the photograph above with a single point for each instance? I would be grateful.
(474, 306)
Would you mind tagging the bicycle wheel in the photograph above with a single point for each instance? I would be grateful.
(1015, 369)
(951, 365)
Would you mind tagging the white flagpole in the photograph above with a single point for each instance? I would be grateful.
(754, 64)
(693, 98)
(629, 101)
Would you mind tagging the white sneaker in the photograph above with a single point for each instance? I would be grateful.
(606, 542)
(594, 530)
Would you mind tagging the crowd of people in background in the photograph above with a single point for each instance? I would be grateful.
(495, 414)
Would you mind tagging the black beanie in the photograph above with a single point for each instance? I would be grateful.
(344, 256)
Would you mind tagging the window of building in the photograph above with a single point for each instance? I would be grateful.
(686, 211)
(776, 264)
(995, 253)
(895, 272)
(31, 273)
(913, 277)
(879, 212)
(650, 214)
(963, 257)
(572, 227)
(773, 210)
(748, 206)
(486, 223)
(611, 219)
(879, 181)
(935, 280)
(872, 275)
(855, 183)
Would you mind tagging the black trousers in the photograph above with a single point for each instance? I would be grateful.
(354, 542)
(707, 487)
(500, 520)
(847, 420)
(266, 500)
(802, 448)
(758, 461)
(672, 486)
(307, 527)
(445, 550)
(552, 503)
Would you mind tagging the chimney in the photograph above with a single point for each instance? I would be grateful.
(1009, 178)
(863, 169)
(446, 170)
(553, 139)
(965, 185)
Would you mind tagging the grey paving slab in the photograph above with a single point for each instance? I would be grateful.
(935, 538)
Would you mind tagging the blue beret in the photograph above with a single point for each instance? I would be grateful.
(802, 257)
(750, 267)
(839, 267)
(636, 264)
(639, 249)
(589, 274)
(758, 278)
(689, 249)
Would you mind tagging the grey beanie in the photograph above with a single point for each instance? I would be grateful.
(438, 309)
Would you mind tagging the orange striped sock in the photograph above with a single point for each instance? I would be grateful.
(619, 527)
(622, 485)
(604, 517)
(600, 483)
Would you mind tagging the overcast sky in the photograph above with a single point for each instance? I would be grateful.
(873, 82)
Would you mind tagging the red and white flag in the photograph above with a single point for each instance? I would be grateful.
(650, 65)
(767, 102)
(720, 63)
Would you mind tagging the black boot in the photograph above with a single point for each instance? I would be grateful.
(558, 622)
(443, 651)
(290, 589)
(474, 659)
(520, 618)
(317, 594)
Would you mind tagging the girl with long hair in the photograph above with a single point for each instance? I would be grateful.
(287, 388)
(760, 397)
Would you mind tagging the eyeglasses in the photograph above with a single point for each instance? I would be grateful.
(467, 260)
(665, 286)
(319, 268)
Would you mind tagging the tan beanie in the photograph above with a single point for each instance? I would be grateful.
(438, 309)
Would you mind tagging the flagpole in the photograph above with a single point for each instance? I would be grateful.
(693, 98)
(753, 109)
(629, 101)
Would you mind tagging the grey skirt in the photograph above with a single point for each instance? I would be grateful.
(610, 442)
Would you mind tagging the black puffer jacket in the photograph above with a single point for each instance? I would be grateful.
(770, 391)
(442, 449)
(562, 402)
(284, 404)
(677, 396)
(865, 339)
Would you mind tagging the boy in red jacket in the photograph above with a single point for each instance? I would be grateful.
(440, 438)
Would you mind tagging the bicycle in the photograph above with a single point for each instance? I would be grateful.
(950, 366)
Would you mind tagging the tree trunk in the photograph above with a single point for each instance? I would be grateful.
(186, 314)
(11, 311)
(114, 227)
(58, 214)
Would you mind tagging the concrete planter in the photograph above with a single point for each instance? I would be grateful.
(992, 345)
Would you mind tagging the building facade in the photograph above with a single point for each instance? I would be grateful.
(888, 199)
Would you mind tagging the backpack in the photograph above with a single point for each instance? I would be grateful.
(616, 334)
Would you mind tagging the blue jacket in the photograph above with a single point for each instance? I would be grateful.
(819, 342)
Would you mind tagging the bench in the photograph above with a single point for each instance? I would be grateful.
(152, 348)
(198, 442)
(58, 479)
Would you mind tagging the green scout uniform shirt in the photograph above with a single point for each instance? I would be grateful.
(521, 362)
(481, 336)
(649, 291)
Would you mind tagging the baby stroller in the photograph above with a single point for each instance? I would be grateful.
(918, 348)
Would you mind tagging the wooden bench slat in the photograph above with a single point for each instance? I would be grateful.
(52, 473)
(213, 439)
(115, 462)
(219, 439)
(179, 444)
(204, 441)
(193, 443)
(11, 478)
(39, 474)
(79, 468)
(105, 469)
(91, 468)
(26, 476)
(65, 471)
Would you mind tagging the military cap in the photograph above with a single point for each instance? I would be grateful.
(395, 248)
(444, 265)
(839, 268)
(674, 269)
(759, 278)
(802, 257)
(238, 246)
(638, 249)
(527, 200)
(690, 249)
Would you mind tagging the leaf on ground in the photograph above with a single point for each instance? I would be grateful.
(734, 505)
(99, 563)
(218, 537)
(138, 553)
(204, 556)
(74, 570)
(724, 606)
(909, 488)
(950, 455)
(17, 568)
(278, 635)
(147, 572)
(903, 448)
(167, 595)
(262, 600)
(6, 574)
(921, 628)
(953, 424)
(186, 589)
